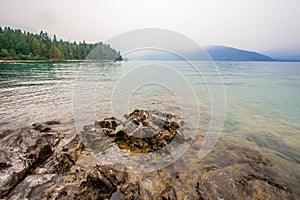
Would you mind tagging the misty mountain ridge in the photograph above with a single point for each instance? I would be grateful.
(224, 53)
(284, 54)
(217, 53)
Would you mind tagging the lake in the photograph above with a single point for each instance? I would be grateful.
(261, 99)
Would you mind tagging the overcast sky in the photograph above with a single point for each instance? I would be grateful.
(259, 25)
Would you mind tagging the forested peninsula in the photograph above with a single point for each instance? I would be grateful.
(21, 45)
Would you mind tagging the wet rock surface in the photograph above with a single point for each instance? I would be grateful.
(48, 161)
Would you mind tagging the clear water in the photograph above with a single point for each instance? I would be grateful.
(263, 99)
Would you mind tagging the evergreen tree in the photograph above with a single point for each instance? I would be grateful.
(15, 44)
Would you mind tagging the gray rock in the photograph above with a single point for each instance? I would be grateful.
(98, 182)
(20, 153)
(48, 161)
(143, 131)
(63, 159)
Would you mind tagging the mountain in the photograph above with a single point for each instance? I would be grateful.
(284, 54)
(217, 53)
(232, 54)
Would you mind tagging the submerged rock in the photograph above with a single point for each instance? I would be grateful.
(239, 172)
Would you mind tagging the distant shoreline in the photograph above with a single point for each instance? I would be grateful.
(59, 61)
(52, 61)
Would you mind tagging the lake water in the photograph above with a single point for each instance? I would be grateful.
(262, 98)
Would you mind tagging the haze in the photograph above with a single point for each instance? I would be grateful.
(255, 25)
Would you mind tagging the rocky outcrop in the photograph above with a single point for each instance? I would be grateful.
(98, 182)
(143, 131)
(46, 161)
(21, 152)
(39, 162)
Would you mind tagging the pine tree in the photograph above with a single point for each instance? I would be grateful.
(15, 44)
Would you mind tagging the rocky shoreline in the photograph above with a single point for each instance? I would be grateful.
(46, 161)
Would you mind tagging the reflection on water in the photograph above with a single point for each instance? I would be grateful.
(263, 99)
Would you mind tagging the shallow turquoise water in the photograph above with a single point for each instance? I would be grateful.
(264, 105)
(262, 98)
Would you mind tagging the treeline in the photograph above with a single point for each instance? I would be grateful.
(18, 45)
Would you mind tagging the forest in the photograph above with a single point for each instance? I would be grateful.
(21, 45)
